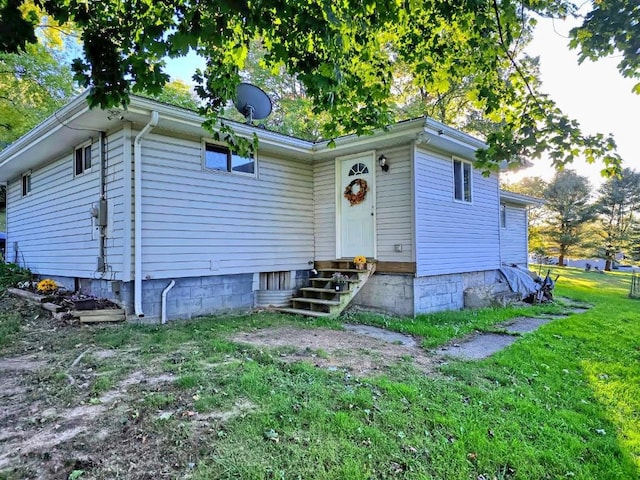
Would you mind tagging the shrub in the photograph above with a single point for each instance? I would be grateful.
(11, 274)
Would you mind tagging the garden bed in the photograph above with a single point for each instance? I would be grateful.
(85, 308)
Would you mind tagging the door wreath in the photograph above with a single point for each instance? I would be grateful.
(359, 196)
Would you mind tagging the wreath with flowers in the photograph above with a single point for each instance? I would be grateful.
(359, 196)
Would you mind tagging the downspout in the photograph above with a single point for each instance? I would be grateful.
(163, 306)
(102, 206)
(137, 213)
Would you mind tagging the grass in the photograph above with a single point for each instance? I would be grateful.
(9, 327)
(438, 328)
(563, 402)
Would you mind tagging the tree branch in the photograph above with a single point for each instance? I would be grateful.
(504, 46)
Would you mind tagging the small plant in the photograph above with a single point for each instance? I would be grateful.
(339, 281)
(339, 278)
(47, 286)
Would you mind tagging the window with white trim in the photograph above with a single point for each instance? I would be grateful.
(462, 180)
(221, 158)
(82, 159)
(26, 183)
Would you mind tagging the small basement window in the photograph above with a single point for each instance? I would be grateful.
(221, 158)
(26, 184)
(82, 159)
(462, 180)
(275, 280)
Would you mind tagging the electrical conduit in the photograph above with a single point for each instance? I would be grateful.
(137, 213)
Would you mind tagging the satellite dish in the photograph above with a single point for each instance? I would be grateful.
(252, 102)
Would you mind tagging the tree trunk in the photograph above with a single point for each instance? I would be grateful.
(561, 260)
(607, 265)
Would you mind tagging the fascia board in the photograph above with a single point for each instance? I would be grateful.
(351, 141)
(434, 127)
(520, 199)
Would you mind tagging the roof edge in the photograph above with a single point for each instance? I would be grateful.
(46, 127)
(520, 198)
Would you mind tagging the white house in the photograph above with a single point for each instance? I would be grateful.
(514, 222)
(127, 204)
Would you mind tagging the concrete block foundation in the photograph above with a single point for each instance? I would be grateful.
(406, 295)
(189, 297)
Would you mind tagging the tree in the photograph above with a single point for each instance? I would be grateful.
(611, 27)
(344, 54)
(176, 93)
(618, 207)
(567, 200)
(293, 112)
(33, 84)
(36, 78)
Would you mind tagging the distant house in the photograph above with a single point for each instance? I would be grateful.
(121, 203)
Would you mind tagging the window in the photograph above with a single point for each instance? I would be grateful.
(218, 157)
(462, 180)
(82, 159)
(503, 215)
(358, 169)
(26, 184)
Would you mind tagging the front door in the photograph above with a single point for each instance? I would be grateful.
(356, 206)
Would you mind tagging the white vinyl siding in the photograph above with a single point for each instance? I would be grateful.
(454, 236)
(324, 200)
(117, 200)
(52, 225)
(197, 223)
(393, 207)
(513, 237)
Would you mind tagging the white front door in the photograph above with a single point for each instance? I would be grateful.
(356, 209)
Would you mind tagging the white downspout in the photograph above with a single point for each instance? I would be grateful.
(163, 306)
(137, 213)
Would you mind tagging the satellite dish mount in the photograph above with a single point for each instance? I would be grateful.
(252, 102)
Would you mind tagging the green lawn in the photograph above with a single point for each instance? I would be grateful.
(563, 402)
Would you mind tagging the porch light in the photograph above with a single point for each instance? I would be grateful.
(382, 161)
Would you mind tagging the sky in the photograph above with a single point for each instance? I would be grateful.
(594, 93)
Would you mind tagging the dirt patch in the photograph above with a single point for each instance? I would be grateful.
(325, 348)
(67, 404)
(56, 419)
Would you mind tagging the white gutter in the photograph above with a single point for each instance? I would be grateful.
(137, 213)
(163, 305)
(193, 119)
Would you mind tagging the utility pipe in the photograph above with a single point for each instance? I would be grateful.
(137, 213)
(102, 229)
(163, 305)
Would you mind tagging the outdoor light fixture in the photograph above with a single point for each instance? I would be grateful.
(382, 161)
